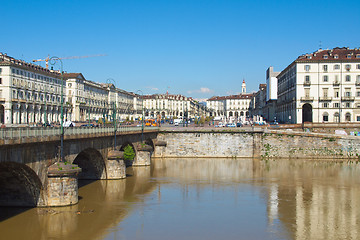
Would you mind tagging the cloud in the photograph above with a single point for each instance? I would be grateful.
(153, 88)
(205, 90)
(201, 90)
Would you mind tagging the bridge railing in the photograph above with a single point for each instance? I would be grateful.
(26, 132)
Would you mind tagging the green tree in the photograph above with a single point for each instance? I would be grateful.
(129, 153)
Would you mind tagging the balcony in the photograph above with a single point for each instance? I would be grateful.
(307, 99)
(307, 83)
(347, 98)
(325, 98)
(336, 83)
(357, 84)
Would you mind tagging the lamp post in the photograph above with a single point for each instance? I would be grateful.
(142, 118)
(112, 81)
(53, 61)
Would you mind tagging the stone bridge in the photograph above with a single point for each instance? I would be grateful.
(32, 175)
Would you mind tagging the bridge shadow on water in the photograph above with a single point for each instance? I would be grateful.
(9, 212)
(84, 182)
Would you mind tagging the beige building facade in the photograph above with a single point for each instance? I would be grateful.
(323, 86)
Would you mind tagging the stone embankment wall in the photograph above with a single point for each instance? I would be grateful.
(287, 144)
(260, 143)
(207, 144)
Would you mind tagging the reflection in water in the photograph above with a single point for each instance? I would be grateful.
(205, 198)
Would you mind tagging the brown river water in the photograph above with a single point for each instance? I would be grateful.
(205, 199)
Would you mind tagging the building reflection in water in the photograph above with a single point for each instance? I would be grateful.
(313, 200)
(292, 200)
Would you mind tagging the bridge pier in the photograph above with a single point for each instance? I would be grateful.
(62, 187)
(115, 165)
(159, 148)
(143, 155)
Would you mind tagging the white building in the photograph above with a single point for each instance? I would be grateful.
(172, 106)
(32, 94)
(28, 93)
(233, 107)
(323, 86)
(89, 100)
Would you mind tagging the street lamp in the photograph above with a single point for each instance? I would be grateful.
(142, 119)
(53, 61)
(112, 81)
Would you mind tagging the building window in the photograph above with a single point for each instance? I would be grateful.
(0, 70)
(336, 105)
(358, 118)
(358, 65)
(347, 78)
(325, 78)
(347, 67)
(0, 80)
(347, 105)
(348, 56)
(336, 56)
(325, 117)
(325, 92)
(325, 105)
(336, 92)
(307, 68)
(307, 79)
(336, 66)
(347, 92)
(325, 68)
(347, 117)
(307, 92)
(325, 56)
(358, 93)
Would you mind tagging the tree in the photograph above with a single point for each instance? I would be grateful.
(129, 153)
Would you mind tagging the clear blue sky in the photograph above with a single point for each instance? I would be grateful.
(198, 48)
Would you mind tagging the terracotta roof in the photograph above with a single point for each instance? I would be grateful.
(335, 54)
(238, 96)
(73, 75)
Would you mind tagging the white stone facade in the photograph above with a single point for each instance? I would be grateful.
(323, 86)
(32, 94)
(235, 107)
(172, 106)
(28, 93)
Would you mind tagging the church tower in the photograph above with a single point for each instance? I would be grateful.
(243, 87)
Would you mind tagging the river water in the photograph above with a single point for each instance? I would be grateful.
(205, 199)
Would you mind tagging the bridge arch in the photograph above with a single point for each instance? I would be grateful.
(19, 185)
(92, 164)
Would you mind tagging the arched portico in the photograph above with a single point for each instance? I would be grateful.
(307, 113)
(2, 114)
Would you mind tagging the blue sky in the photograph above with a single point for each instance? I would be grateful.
(198, 48)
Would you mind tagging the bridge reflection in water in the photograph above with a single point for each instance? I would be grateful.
(207, 198)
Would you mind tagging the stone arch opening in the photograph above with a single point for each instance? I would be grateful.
(150, 142)
(19, 185)
(92, 164)
(2, 114)
(307, 113)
